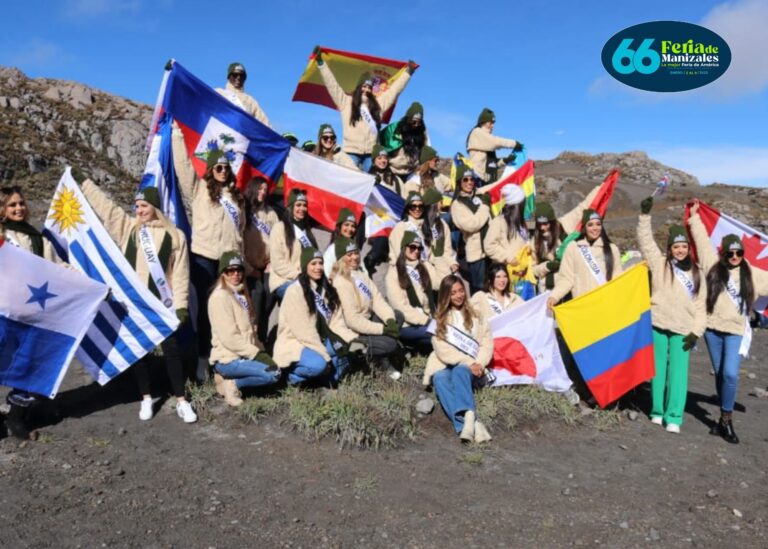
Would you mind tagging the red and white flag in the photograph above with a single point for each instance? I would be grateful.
(755, 243)
(329, 187)
(525, 349)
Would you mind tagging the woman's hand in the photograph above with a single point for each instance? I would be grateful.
(551, 303)
(477, 369)
(513, 263)
(695, 207)
(455, 268)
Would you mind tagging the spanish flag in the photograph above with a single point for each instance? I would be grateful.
(347, 67)
(523, 176)
(609, 332)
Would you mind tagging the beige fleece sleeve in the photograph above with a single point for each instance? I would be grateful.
(399, 300)
(645, 240)
(353, 318)
(570, 220)
(185, 172)
(760, 281)
(281, 263)
(117, 222)
(450, 355)
(388, 98)
(303, 325)
(379, 305)
(467, 221)
(224, 326)
(564, 278)
(395, 238)
(704, 249)
(495, 241)
(338, 95)
(483, 140)
(700, 309)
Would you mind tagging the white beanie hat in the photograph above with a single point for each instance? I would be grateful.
(512, 194)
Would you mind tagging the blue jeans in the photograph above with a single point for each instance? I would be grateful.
(312, 365)
(362, 161)
(453, 387)
(280, 291)
(724, 353)
(416, 336)
(248, 373)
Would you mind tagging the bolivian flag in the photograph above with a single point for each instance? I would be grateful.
(609, 332)
(523, 176)
(347, 67)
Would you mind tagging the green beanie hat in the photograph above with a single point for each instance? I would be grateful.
(544, 212)
(343, 245)
(414, 196)
(731, 242)
(415, 111)
(427, 154)
(410, 237)
(487, 115)
(236, 67)
(308, 145)
(149, 194)
(463, 170)
(307, 255)
(378, 150)
(432, 196)
(676, 234)
(588, 215)
(345, 214)
(294, 196)
(230, 259)
(292, 138)
(216, 156)
(325, 129)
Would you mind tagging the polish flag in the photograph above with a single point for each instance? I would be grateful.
(329, 187)
(755, 243)
(525, 349)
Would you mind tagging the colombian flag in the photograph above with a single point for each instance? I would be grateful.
(523, 176)
(609, 332)
(347, 67)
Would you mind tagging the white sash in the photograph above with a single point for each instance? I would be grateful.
(302, 237)
(241, 300)
(685, 280)
(233, 98)
(414, 229)
(322, 307)
(232, 211)
(11, 240)
(414, 274)
(592, 265)
(462, 341)
(261, 225)
(363, 288)
(495, 305)
(365, 114)
(746, 340)
(435, 233)
(155, 269)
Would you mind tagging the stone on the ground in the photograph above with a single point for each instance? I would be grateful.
(425, 406)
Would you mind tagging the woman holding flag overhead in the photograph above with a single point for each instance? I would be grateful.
(312, 339)
(495, 298)
(482, 146)
(471, 214)
(361, 111)
(217, 225)
(463, 347)
(286, 242)
(157, 250)
(678, 313)
(733, 285)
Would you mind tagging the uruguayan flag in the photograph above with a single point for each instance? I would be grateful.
(45, 310)
(133, 321)
(159, 172)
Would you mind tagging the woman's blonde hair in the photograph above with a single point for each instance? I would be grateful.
(444, 305)
(341, 269)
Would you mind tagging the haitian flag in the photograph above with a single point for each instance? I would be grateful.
(755, 243)
(523, 176)
(609, 332)
(525, 349)
(212, 124)
(329, 187)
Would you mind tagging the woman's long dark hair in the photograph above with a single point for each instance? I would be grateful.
(414, 139)
(324, 287)
(432, 219)
(695, 271)
(489, 280)
(373, 107)
(607, 251)
(717, 280)
(426, 225)
(214, 187)
(514, 216)
(287, 219)
(402, 274)
(252, 198)
(542, 245)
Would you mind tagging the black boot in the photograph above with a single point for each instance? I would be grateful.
(727, 431)
(16, 422)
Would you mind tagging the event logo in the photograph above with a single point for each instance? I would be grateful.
(666, 56)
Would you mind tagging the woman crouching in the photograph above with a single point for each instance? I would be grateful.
(463, 347)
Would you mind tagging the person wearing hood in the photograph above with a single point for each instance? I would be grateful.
(404, 141)
(361, 111)
(470, 214)
(326, 148)
(733, 285)
(157, 250)
(482, 146)
(235, 92)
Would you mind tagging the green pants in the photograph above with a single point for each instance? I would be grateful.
(669, 387)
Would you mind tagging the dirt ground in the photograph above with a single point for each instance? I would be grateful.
(99, 477)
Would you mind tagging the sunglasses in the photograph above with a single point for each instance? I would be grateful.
(467, 178)
(414, 247)
(234, 270)
(328, 138)
(735, 253)
(219, 168)
(416, 207)
(237, 75)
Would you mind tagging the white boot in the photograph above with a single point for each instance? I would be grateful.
(147, 410)
(468, 431)
(481, 433)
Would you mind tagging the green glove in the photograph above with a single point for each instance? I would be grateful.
(486, 198)
(78, 176)
(510, 158)
(518, 147)
(411, 66)
(553, 266)
(183, 316)
(264, 358)
(318, 55)
(169, 64)
(689, 341)
(391, 329)
(646, 205)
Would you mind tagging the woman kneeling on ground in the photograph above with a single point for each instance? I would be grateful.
(312, 339)
(365, 310)
(237, 356)
(463, 348)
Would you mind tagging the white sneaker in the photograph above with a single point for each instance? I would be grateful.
(394, 374)
(656, 420)
(147, 410)
(468, 431)
(573, 397)
(481, 433)
(184, 411)
(673, 428)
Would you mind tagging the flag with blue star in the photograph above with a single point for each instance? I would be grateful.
(45, 310)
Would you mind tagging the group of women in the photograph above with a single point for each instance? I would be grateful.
(451, 267)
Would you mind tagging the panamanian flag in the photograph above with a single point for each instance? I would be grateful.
(45, 310)
(211, 124)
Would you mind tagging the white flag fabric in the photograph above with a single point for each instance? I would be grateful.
(525, 348)
(45, 310)
(133, 321)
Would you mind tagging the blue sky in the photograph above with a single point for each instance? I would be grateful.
(535, 63)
